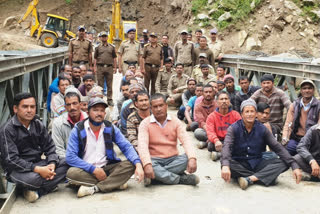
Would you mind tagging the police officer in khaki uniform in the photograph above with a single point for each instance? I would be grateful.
(196, 73)
(129, 52)
(164, 77)
(177, 85)
(184, 53)
(205, 78)
(152, 59)
(106, 62)
(80, 49)
(215, 44)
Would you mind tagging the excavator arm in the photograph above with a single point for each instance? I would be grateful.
(32, 9)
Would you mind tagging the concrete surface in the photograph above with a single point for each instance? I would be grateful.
(211, 196)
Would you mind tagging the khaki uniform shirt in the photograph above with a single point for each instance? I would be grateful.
(184, 53)
(216, 48)
(177, 83)
(80, 49)
(207, 51)
(196, 73)
(104, 54)
(207, 80)
(163, 80)
(130, 51)
(152, 55)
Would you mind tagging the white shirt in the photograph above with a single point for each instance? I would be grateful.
(95, 151)
(154, 120)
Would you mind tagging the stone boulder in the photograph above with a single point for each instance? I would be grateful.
(292, 6)
(225, 17)
(242, 37)
(9, 21)
(202, 16)
(253, 44)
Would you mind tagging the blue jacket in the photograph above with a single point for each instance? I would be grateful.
(77, 143)
(53, 88)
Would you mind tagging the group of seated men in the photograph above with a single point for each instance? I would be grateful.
(241, 125)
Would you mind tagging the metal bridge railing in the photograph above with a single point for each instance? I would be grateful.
(285, 70)
(28, 71)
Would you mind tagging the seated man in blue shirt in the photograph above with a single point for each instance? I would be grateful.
(94, 165)
(243, 148)
(191, 103)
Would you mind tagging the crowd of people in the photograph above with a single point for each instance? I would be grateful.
(240, 124)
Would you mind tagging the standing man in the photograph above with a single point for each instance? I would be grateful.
(152, 59)
(129, 52)
(198, 35)
(244, 144)
(23, 141)
(275, 97)
(106, 62)
(80, 49)
(94, 164)
(184, 53)
(245, 92)
(164, 77)
(177, 84)
(157, 147)
(302, 115)
(145, 38)
(203, 48)
(167, 50)
(215, 45)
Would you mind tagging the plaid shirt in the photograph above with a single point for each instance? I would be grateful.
(133, 123)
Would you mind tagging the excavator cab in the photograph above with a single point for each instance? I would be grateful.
(55, 29)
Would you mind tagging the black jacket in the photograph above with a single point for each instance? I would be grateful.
(240, 97)
(21, 148)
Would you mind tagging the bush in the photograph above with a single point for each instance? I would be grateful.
(198, 5)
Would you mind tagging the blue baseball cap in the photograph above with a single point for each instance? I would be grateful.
(131, 29)
(81, 27)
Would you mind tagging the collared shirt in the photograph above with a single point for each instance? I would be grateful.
(184, 53)
(82, 117)
(80, 49)
(307, 106)
(154, 120)
(163, 80)
(208, 52)
(104, 54)
(197, 71)
(204, 81)
(216, 48)
(130, 51)
(179, 83)
(95, 150)
(58, 105)
(153, 54)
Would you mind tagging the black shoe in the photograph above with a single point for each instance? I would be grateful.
(189, 179)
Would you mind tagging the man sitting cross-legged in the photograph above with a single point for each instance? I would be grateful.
(23, 142)
(90, 154)
(242, 153)
(157, 146)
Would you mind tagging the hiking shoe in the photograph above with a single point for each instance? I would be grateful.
(85, 190)
(30, 195)
(202, 144)
(244, 182)
(189, 179)
(215, 156)
(306, 176)
(123, 186)
(147, 182)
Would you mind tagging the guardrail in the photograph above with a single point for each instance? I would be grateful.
(286, 70)
(31, 71)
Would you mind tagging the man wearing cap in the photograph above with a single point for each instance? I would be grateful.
(145, 38)
(164, 77)
(275, 97)
(205, 78)
(129, 51)
(196, 72)
(62, 125)
(215, 44)
(303, 113)
(184, 53)
(94, 164)
(166, 48)
(231, 89)
(242, 151)
(106, 62)
(245, 92)
(88, 83)
(80, 49)
(177, 84)
(152, 59)
(203, 48)
(57, 103)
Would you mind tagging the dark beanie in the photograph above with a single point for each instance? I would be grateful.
(267, 77)
(88, 77)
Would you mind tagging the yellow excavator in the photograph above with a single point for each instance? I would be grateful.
(54, 31)
(118, 28)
